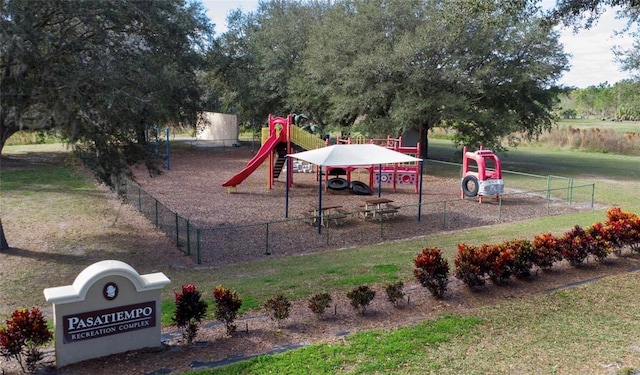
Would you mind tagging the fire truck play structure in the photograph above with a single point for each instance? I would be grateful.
(487, 180)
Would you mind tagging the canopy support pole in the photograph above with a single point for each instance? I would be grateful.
(420, 191)
(320, 199)
(287, 161)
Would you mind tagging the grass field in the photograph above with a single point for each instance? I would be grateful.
(588, 329)
(617, 126)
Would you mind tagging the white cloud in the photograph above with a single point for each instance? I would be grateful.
(217, 10)
(592, 61)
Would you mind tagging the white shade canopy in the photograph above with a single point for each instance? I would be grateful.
(353, 154)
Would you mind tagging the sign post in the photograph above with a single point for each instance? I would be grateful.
(108, 309)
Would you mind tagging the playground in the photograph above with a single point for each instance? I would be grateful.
(234, 218)
(154, 251)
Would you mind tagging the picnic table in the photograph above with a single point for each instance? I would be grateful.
(378, 208)
(330, 212)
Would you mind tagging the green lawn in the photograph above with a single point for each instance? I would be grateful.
(578, 330)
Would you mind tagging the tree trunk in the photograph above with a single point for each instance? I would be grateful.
(424, 141)
(4, 245)
(6, 131)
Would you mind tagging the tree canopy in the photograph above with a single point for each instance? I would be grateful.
(485, 68)
(100, 71)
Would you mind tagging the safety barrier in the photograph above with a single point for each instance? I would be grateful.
(528, 196)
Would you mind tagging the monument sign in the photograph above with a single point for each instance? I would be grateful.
(108, 309)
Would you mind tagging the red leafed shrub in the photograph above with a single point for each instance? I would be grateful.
(472, 264)
(546, 249)
(432, 271)
(523, 256)
(599, 245)
(361, 297)
(394, 292)
(190, 310)
(634, 234)
(500, 259)
(574, 246)
(278, 308)
(623, 229)
(318, 303)
(25, 332)
(227, 305)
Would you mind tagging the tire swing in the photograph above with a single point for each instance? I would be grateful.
(337, 183)
(360, 188)
(470, 192)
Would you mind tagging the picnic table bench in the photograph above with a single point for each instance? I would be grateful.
(330, 213)
(378, 207)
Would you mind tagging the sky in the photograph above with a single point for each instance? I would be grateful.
(592, 61)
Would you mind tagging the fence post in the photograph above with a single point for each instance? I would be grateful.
(188, 239)
(548, 203)
(177, 230)
(548, 187)
(198, 246)
(593, 193)
(266, 248)
(570, 190)
(499, 208)
(156, 212)
(444, 214)
(326, 232)
(168, 151)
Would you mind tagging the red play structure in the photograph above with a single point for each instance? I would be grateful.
(278, 140)
(405, 173)
(282, 138)
(488, 178)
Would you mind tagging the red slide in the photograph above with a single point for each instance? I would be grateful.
(256, 161)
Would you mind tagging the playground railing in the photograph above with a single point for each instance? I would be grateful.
(534, 196)
(305, 139)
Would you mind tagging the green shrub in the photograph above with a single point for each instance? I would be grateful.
(227, 305)
(432, 271)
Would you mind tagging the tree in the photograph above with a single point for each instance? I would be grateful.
(585, 12)
(256, 63)
(100, 72)
(483, 68)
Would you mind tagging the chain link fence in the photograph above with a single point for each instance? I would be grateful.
(528, 196)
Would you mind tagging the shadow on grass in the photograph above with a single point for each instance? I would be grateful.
(46, 256)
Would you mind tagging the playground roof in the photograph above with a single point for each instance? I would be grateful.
(353, 154)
